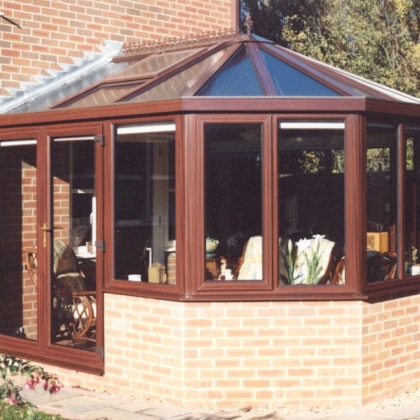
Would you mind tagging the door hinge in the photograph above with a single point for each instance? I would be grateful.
(100, 244)
(100, 138)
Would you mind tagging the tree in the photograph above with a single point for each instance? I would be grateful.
(376, 39)
(269, 17)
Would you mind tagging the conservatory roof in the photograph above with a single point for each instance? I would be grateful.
(218, 64)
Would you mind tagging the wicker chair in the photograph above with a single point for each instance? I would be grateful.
(73, 307)
(381, 266)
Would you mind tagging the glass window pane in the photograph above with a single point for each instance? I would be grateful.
(144, 199)
(73, 316)
(381, 203)
(18, 227)
(233, 200)
(311, 202)
(412, 202)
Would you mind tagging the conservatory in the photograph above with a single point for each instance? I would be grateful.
(205, 184)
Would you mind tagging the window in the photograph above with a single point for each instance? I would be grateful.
(381, 203)
(18, 226)
(144, 195)
(412, 202)
(73, 197)
(311, 202)
(233, 201)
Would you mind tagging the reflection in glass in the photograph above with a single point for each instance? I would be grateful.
(412, 202)
(177, 85)
(144, 197)
(18, 227)
(290, 81)
(381, 203)
(311, 165)
(233, 200)
(238, 77)
(73, 271)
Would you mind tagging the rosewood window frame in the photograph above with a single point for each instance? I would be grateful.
(268, 288)
(190, 224)
(118, 286)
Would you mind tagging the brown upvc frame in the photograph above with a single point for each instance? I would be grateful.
(43, 350)
(190, 114)
(268, 288)
(353, 214)
(403, 284)
(8, 344)
(118, 286)
(87, 361)
(197, 287)
(190, 207)
(355, 110)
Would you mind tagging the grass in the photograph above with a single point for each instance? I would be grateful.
(14, 412)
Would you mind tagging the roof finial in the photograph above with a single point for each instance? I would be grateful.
(248, 23)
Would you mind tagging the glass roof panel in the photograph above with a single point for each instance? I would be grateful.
(177, 85)
(155, 63)
(292, 82)
(236, 78)
(103, 95)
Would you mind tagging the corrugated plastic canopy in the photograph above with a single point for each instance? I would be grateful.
(221, 64)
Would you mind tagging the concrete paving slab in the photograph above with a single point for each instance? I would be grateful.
(80, 404)
(134, 406)
(113, 413)
(167, 412)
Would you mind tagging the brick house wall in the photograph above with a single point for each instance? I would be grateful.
(29, 231)
(390, 347)
(58, 32)
(257, 354)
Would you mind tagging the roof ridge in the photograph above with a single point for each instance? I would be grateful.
(166, 44)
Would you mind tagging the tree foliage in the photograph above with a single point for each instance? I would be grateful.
(376, 39)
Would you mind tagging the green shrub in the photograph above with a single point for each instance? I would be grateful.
(19, 412)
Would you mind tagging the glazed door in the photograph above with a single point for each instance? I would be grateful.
(69, 238)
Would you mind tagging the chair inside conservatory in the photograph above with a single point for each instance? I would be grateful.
(73, 307)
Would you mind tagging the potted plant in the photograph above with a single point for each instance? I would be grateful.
(211, 246)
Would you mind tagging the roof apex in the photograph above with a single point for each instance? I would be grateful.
(193, 40)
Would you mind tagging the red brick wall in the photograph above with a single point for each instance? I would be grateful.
(55, 31)
(29, 230)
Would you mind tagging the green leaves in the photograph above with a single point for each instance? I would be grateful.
(376, 39)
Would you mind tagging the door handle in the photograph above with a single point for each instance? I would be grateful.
(45, 229)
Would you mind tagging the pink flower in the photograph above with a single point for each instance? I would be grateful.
(13, 400)
(30, 384)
